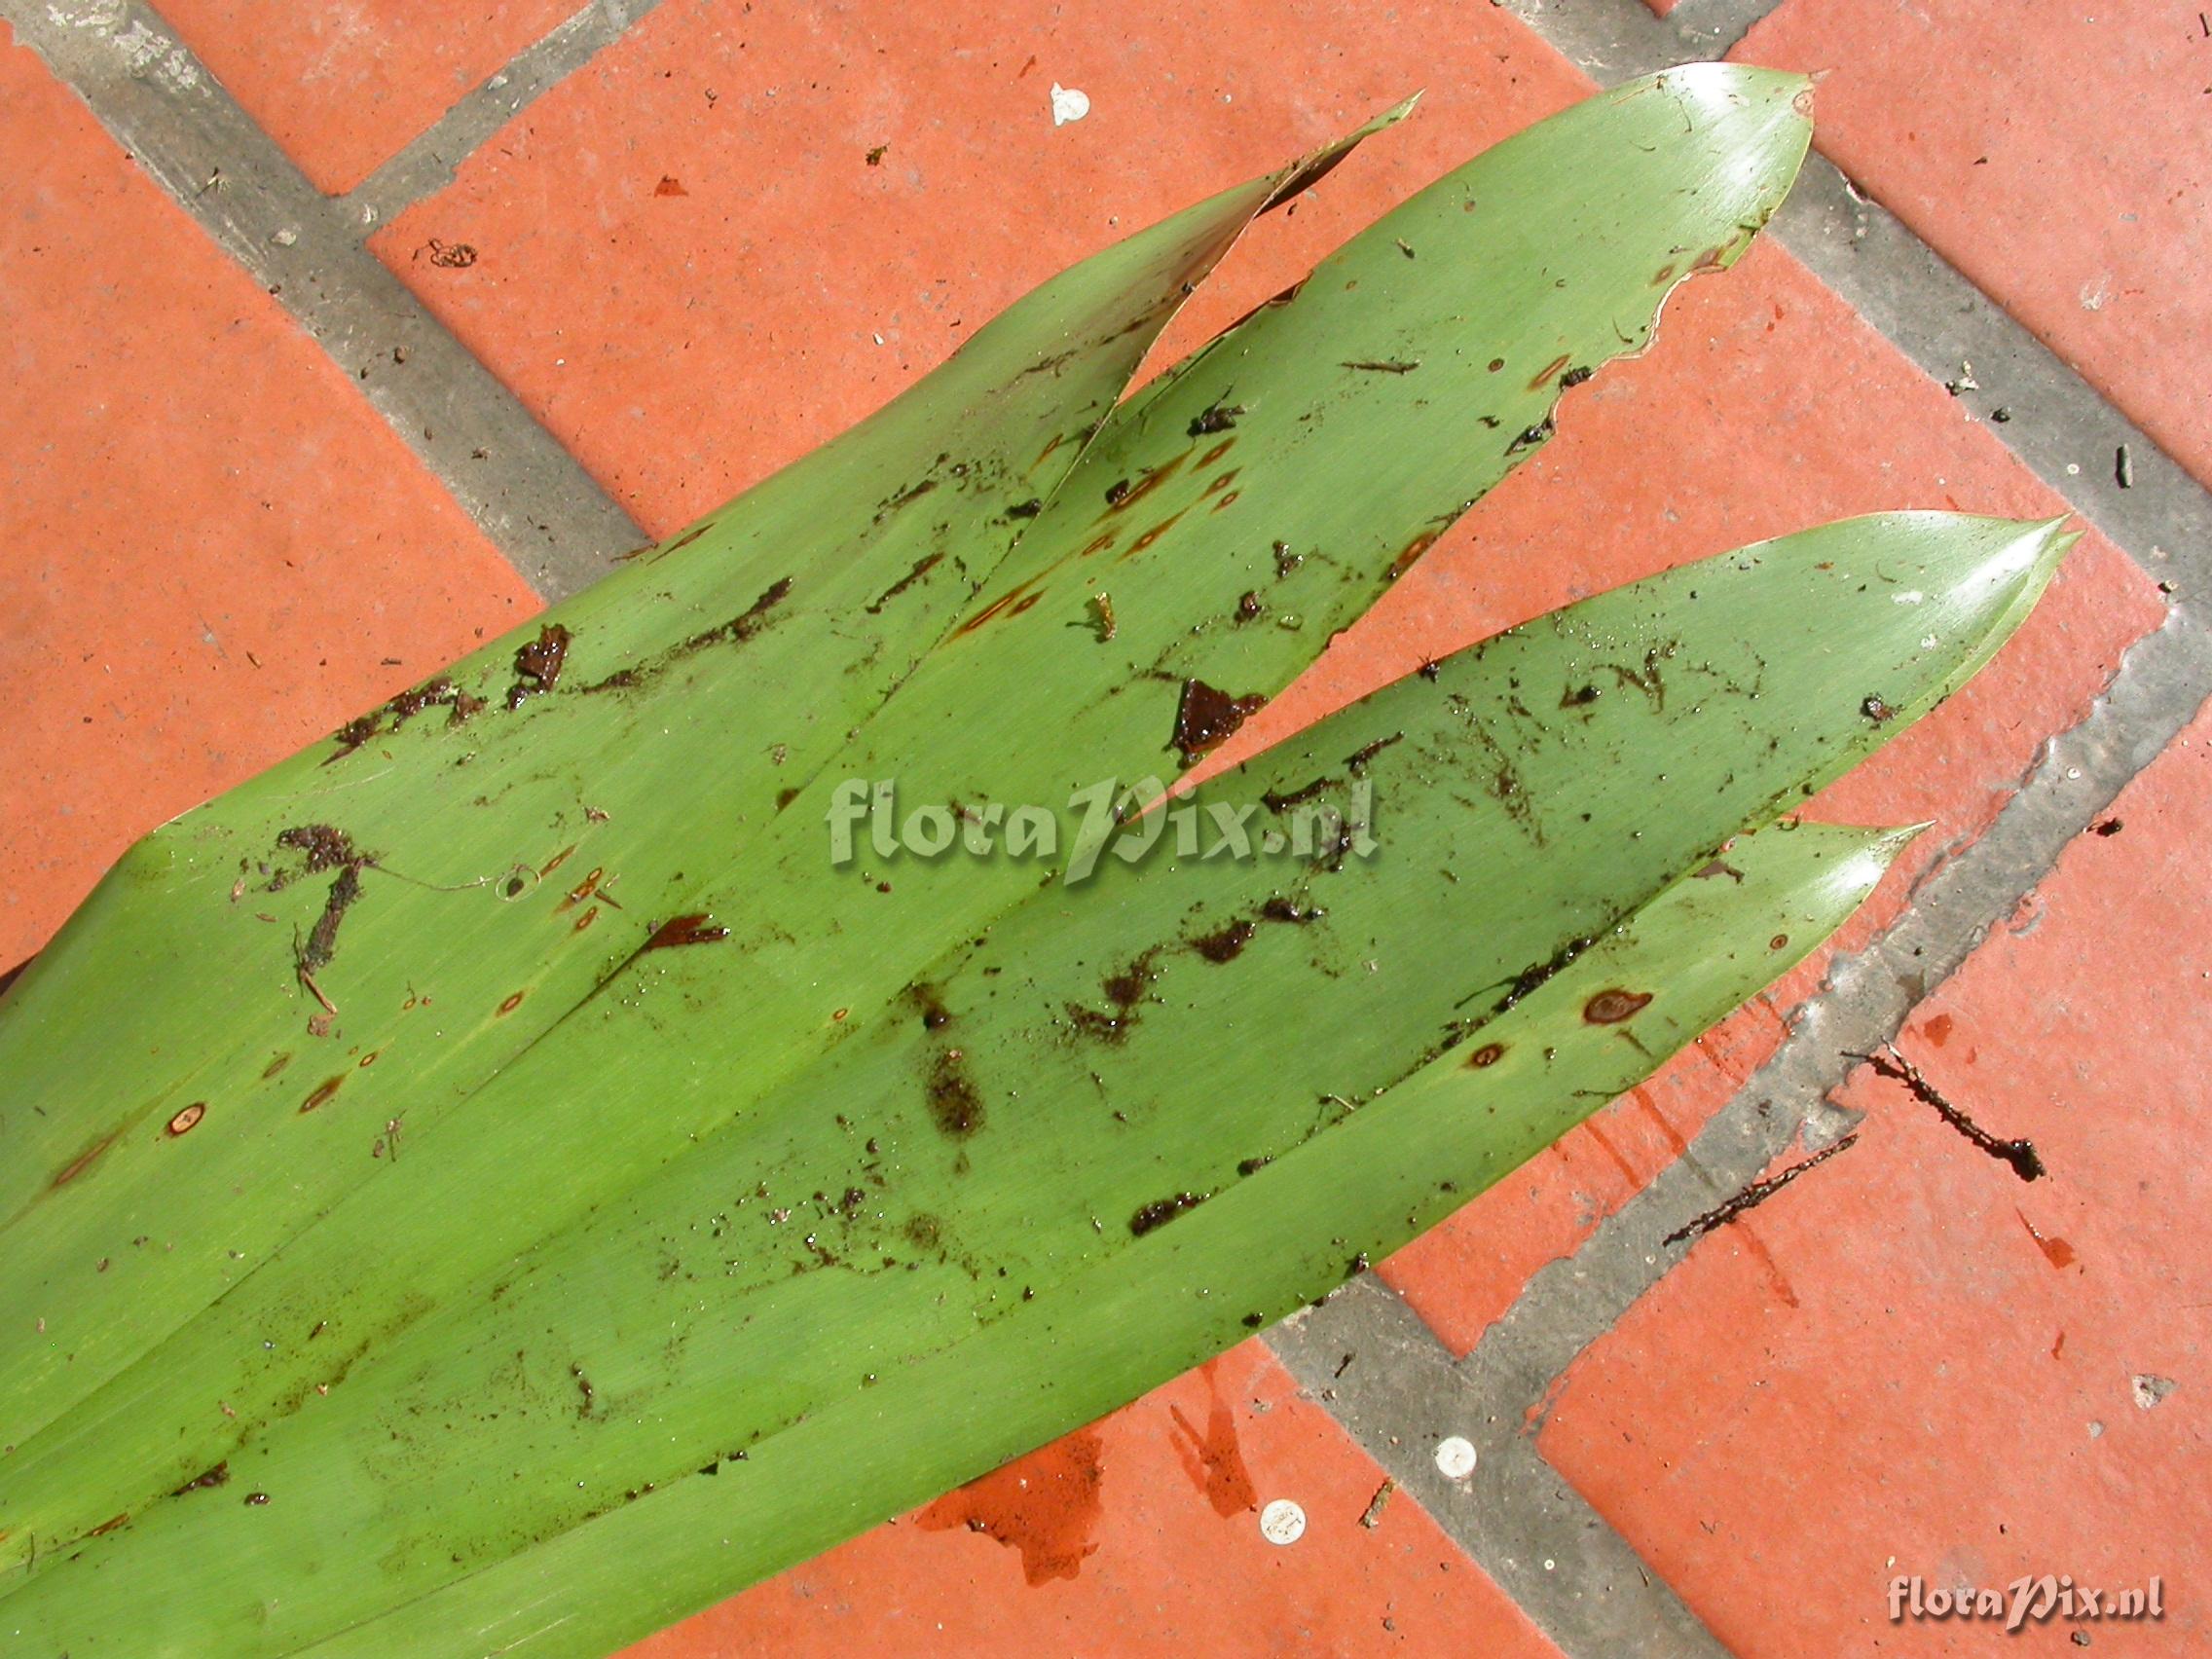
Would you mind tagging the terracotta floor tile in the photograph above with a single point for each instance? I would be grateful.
(1911, 1356)
(2054, 154)
(1141, 1535)
(686, 260)
(344, 88)
(215, 550)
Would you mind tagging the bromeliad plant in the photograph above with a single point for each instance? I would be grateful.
(492, 1183)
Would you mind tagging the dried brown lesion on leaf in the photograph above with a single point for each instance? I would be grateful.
(694, 928)
(326, 848)
(1613, 1005)
(539, 663)
(922, 568)
(955, 1107)
(1537, 974)
(1125, 494)
(440, 692)
(1225, 944)
(912, 492)
(1207, 716)
(1160, 1211)
(745, 625)
(1123, 991)
(205, 1481)
(85, 1160)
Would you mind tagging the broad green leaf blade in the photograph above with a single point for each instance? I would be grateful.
(690, 1318)
(658, 1047)
(536, 844)
(1272, 1241)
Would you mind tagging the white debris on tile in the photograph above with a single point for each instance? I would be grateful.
(1069, 103)
(1455, 1457)
(2150, 1390)
(1282, 1522)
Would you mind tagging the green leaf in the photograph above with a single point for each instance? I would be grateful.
(722, 1305)
(482, 802)
(464, 947)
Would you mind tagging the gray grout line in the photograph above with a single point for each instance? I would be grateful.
(1713, 28)
(1368, 1359)
(429, 163)
(2060, 426)
(525, 491)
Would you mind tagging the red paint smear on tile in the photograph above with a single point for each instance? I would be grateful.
(1045, 1505)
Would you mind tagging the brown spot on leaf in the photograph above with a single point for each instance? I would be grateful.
(954, 1105)
(187, 1119)
(1611, 1007)
(1125, 495)
(922, 568)
(539, 663)
(1124, 990)
(324, 1092)
(691, 929)
(219, 1475)
(1489, 1054)
(1226, 944)
(85, 1160)
(1205, 716)
(1152, 537)
(1542, 377)
(1160, 1211)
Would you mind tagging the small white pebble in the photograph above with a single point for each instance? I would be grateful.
(1069, 104)
(1282, 1522)
(1455, 1457)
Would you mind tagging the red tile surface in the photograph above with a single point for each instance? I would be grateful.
(1141, 1535)
(1950, 1380)
(685, 345)
(213, 544)
(345, 87)
(2056, 155)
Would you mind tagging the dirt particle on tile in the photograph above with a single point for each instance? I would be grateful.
(2149, 1389)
